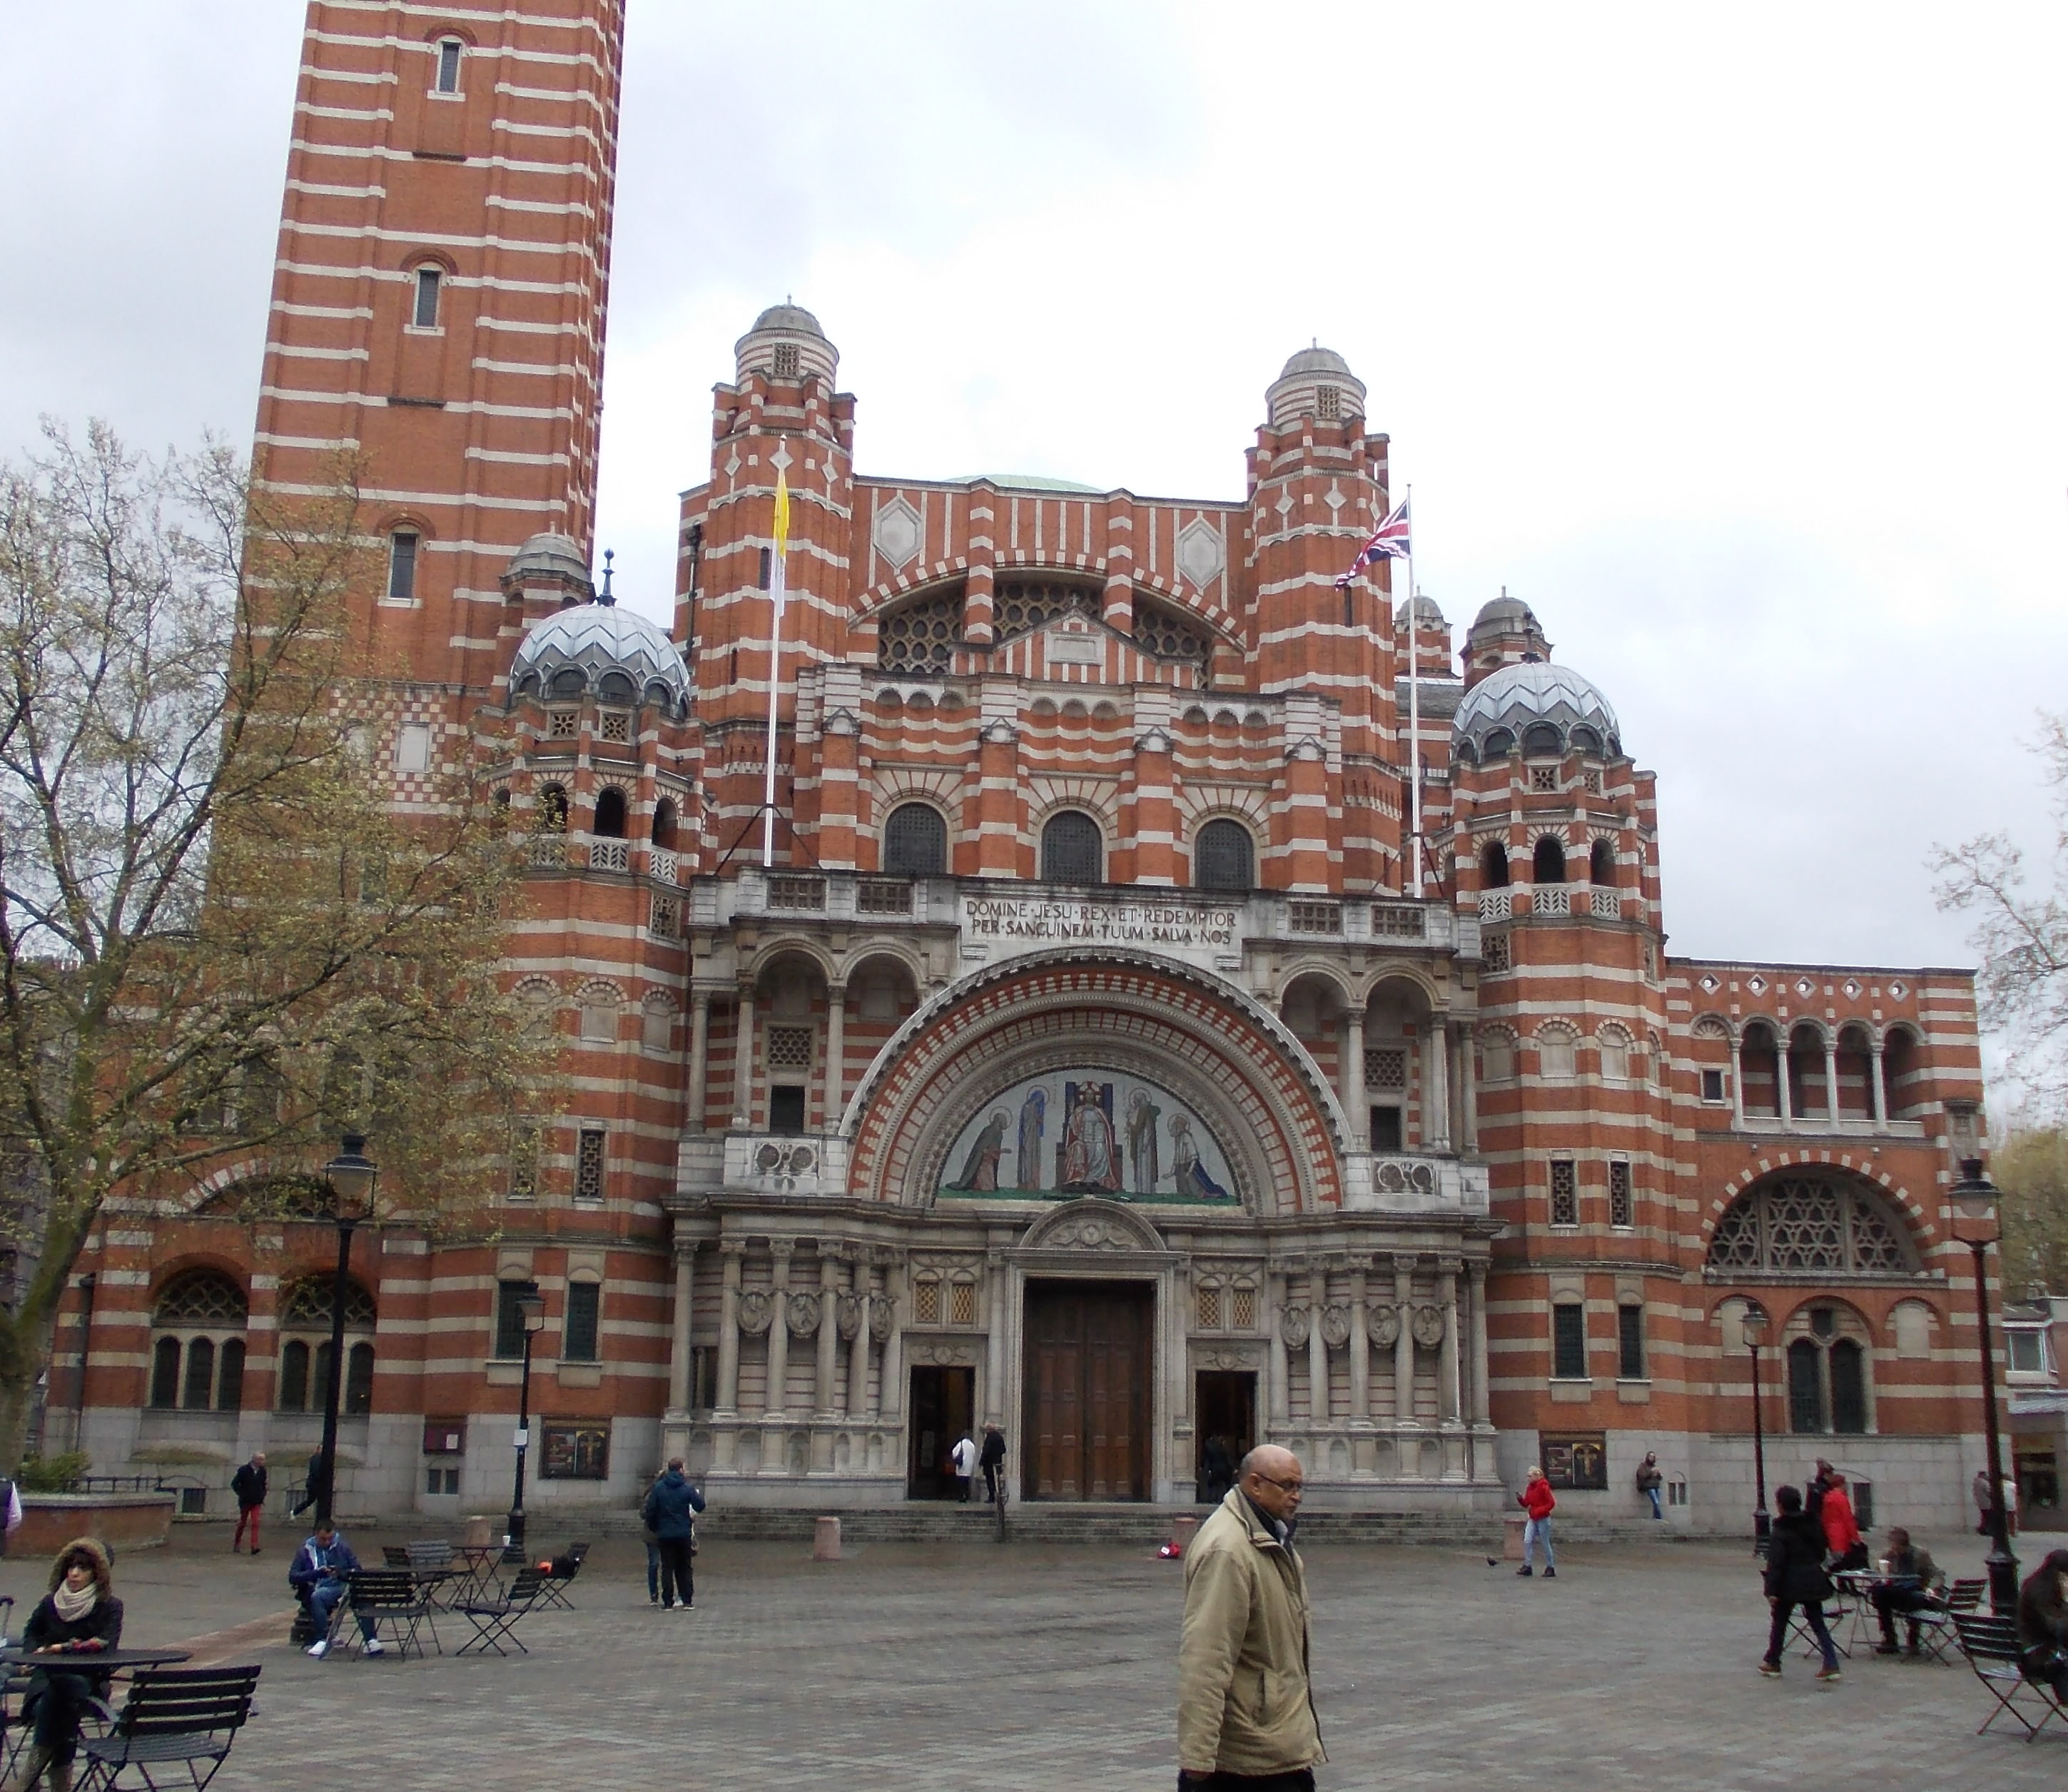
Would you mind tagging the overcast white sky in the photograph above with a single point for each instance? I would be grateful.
(1730, 340)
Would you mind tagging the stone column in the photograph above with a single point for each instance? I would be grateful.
(1831, 1078)
(699, 1058)
(1785, 1095)
(678, 1357)
(857, 1357)
(1360, 1348)
(743, 1065)
(1482, 1368)
(836, 1055)
(994, 1352)
(1737, 1081)
(1280, 1373)
(1317, 1347)
(1468, 1090)
(1436, 1086)
(779, 1328)
(1403, 1346)
(1449, 1393)
(829, 1329)
(1875, 1076)
(731, 1251)
(892, 1388)
(1349, 1079)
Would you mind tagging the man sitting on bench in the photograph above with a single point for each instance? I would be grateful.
(1908, 1586)
(2043, 1624)
(322, 1574)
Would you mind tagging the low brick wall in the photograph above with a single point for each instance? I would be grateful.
(121, 1521)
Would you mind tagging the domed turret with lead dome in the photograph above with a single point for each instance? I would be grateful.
(597, 649)
(786, 345)
(1317, 382)
(1542, 708)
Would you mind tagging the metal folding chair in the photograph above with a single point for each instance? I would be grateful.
(1990, 1644)
(496, 1621)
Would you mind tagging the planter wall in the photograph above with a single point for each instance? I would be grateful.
(121, 1521)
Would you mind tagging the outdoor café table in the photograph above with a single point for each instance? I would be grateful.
(1856, 1588)
(94, 1661)
(477, 1572)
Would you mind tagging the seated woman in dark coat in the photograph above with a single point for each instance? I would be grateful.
(2043, 1624)
(79, 1618)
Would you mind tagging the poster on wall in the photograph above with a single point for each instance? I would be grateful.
(1575, 1460)
(1091, 1132)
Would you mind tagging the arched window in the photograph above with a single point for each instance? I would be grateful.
(450, 52)
(1500, 741)
(1493, 865)
(664, 824)
(1542, 740)
(1899, 1070)
(1806, 1386)
(1811, 1222)
(1548, 860)
(1827, 1373)
(198, 1361)
(1585, 740)
(1224, 857)
(553, 809)
(1072, 849)
(305, 1324)
(610, 813)
(1806, 1091)
(402, 547)
(424, 314)
(1602, 865)
(915, 842)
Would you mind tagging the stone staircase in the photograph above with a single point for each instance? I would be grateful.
(1127, 1526)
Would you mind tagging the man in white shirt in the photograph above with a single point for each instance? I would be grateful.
(963, 1456)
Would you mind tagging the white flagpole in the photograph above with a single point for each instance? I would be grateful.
(1414, 712)
(775, 687)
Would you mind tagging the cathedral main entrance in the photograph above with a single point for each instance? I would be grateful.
(1089, 1363)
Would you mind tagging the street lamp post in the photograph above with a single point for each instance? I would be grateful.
(1752, 1327)
(531, 1309)
(350, 1174)
(1976, 1197)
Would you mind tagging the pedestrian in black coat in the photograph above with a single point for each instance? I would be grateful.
(670, 1513)
(992, 1460)
(1795, 1577)
(249, 1486)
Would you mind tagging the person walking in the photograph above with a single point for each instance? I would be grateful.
(2043, 1624)
(963, 1457)
(1245, 1707)
(1980, 1487)
(990, 1459)
(670, 1513)
(1842, 1530)
(1649, 1481)
(77, 1618)
(322, 1574)
(249, 1486)
(1794, 1578)
(312, 1488)
(1815, 1489)
(1539, 1501)
(1908, 1587)
(1217, 1468)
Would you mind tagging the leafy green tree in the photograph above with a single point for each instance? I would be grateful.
(2031, 1167)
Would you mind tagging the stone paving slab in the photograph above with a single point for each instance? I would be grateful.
(975, 1667)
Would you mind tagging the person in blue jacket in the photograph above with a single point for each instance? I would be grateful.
(322, 1574)
(669, 1513)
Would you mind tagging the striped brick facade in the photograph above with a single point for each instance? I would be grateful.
(1076, 790)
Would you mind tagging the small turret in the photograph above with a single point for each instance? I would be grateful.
(1505, 632)
(787, 346)
(1317, 382)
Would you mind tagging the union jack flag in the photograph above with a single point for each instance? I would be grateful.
(1389, 541)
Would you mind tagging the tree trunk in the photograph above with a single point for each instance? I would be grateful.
(20, 1370)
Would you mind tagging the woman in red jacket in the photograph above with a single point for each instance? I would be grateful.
(1538, 1501)
(1842, 1532)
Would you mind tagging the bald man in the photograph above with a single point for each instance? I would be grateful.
(1245, 1714)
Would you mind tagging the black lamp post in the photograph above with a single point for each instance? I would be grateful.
(1752, 1327)
(1976, 1197)
(531, 1310)
(350, 1174)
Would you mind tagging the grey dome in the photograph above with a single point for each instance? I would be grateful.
(556, 556)
(1504, 614)
(794, 319)
(1317, 359)
(1426, 614)
(601, 650)
(1543, 708)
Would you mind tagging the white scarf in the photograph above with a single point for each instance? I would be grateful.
(72, 1606)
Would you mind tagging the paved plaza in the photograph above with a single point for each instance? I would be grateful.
(972, 1667)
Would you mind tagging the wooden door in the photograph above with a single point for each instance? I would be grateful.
(1089, 1360)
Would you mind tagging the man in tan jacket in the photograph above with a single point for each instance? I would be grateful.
(1246, 1718)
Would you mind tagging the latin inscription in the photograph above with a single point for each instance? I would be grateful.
(1174, 924)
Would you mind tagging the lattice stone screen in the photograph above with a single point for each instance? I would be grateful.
(1811, 1225)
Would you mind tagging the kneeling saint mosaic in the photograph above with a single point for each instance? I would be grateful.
(1094, 1133)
